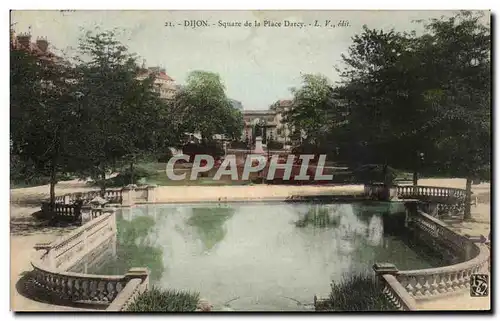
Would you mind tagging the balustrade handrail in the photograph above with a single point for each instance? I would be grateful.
(86, 194)
(435, 187)
(479, 259)
(398, 294)
(97, 289)
(37, 263)
(409, 189)
(65, 239)
(432, 282)
(126, 296)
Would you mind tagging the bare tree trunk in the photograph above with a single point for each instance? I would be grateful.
(132, 172)
(415, 178)
(53, 182)
(103, 182)
(468, 197)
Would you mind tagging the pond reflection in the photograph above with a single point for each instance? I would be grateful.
(261, 256)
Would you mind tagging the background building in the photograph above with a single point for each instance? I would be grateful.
(164, 84)
(236, 104)
(40, 48)
(267, 123)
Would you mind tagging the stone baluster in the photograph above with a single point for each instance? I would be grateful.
(393, 290)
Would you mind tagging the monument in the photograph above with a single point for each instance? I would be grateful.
(258, 146)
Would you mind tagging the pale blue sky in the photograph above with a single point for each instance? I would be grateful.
(257, 65)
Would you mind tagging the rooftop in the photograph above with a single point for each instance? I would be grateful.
(257, 112)
(160, 73)
(39, 48)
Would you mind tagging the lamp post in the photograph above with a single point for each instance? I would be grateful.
(418, 167)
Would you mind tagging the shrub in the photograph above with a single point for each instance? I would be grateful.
(124, 177)
(165, 156)
(374, 173)
(157, 300)
(239, 145)
(274, 145)
(211, 148)
(358, 293)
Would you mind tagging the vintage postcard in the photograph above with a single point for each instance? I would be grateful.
(250, 161)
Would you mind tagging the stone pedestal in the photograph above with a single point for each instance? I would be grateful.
(151, 193)
(384, 268)
(139, 273)
(392, 193)
(86, 213)
(258, 146)
(66, 199)
(128, 195)
(381, 192)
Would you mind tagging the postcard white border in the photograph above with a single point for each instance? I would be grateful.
(194, 5)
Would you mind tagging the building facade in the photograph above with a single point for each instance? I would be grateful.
(267, 123)
(164, 84)
(40, 48)
(236, 104)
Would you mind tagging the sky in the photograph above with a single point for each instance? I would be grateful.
(258, 65)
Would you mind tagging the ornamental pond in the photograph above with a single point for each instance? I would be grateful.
(262, 256)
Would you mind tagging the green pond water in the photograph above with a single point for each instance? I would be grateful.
(261, 256)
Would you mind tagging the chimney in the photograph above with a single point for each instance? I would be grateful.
(42, 43)
(24, 39)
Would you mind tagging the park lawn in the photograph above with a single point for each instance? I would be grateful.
(156, 174)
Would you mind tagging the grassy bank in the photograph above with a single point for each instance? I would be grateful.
(357, 293)
(157, 300)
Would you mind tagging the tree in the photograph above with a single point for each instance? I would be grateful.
(42, 114)
(119, 113)
(207, 109)
(431, 94)
(382, 89)
(315, 110)
(459, 49)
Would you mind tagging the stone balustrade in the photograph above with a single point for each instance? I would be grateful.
(111, 195)
(434, 282)
(69, 213)
(396, 294)
(437, 282)
(443, 234)
(126, 196)
(403, 288)
(50, 269)
(114, 196)
(128, 295)
(380, 192)
(441, 194)
(66, 250)
(420, 192)
(70, 287)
